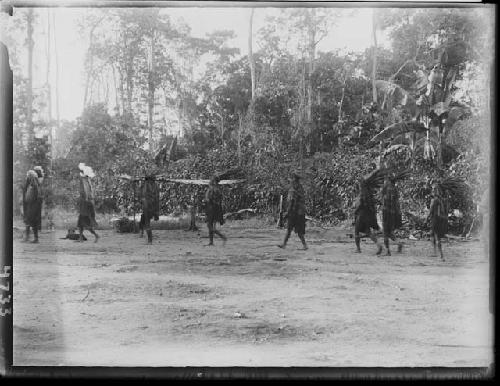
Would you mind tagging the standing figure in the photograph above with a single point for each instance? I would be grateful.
(150, 197)
(365, 214)
(391, 212)
(213, 209)
(86, 218)
(32, 204)
(40, 174)
(438, 217)
(296, 211)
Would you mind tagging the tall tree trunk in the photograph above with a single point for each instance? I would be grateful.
(29, 84)
(56, 57)
(151, 92)
(89, 69)
(250, 54)
(374, 68)
(116, 90)
(240, 127)
(339, 118)
(312, 53)
(47, 73)
(129, 72)
(122, 89)
(222, 129)
(49, 95)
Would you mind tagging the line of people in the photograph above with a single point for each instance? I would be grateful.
(365, 223)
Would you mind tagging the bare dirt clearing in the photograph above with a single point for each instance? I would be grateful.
(120, 302)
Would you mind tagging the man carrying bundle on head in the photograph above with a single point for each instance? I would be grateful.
(150, 197)
(391, 212)
(438, 217)
(365, 213)
(32, 203)
(296, 211)
(213, 209)
(448, 187)
(86, 218)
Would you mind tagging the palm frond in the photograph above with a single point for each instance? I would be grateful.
(398, 128)
(396, 148)
(455, 186)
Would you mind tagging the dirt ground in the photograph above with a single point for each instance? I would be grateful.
(120, 302)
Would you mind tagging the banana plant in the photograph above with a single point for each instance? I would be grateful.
(429, 109)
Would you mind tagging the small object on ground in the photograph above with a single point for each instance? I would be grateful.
(72, 235)
(280, 258)
(188, 253)
(239, 315)
(411, 237)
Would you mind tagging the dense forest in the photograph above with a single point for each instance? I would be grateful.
(156, 97)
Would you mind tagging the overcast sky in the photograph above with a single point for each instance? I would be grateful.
(352, 33)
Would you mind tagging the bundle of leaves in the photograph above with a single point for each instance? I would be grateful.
(124, 225)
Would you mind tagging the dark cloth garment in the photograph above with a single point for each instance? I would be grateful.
(213, 204)
(365, 214)
(439, 216)
(86, 219)
(296, 209)
(150, 197)
(391, 212)
(32, 202)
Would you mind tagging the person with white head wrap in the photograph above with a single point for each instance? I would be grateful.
(39, 172)
(32, 205)
(86, 218)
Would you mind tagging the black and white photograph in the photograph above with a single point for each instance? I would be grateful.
(250, 184)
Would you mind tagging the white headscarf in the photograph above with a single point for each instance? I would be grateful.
(31, 173)
(86, 170)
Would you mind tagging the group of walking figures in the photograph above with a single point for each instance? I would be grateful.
(365, 213)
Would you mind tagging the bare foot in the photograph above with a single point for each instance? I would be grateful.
(357, 251)
(209, 245)
(34, 241)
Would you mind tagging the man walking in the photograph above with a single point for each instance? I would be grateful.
(391, 212)
(296, 211)
(150, 196)
(86, 217)
(213, 209)
(32, 205)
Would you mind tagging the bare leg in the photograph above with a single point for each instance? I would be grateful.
(218, 233)
(386, 243)
(27, 234)
(301, 237)
(373, 237)
(95, 234)
(285, 240)
(400, 243)
(81, 235)
(433, 238)
(357, 240)
(210, 233)
(439, 247)
(35, 233)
